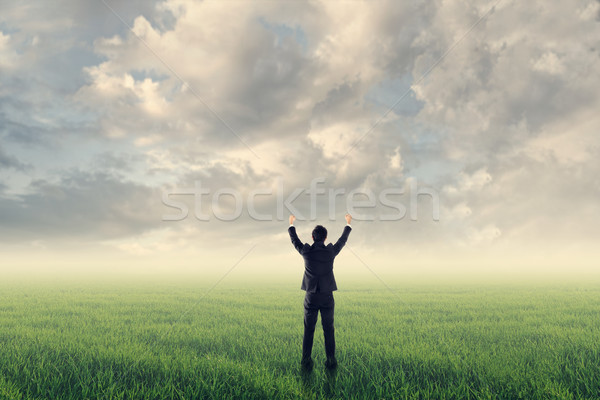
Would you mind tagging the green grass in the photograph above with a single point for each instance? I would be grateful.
(168, 340)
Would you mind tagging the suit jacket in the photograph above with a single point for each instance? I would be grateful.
(318, 261)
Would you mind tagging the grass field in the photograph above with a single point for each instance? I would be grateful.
(163, 340)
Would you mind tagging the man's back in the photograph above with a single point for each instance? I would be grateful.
(318, 261)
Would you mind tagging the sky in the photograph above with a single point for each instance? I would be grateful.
(481, 118)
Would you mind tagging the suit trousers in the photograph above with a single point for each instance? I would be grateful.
(313, 303)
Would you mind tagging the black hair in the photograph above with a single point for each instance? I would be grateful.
(319, 234)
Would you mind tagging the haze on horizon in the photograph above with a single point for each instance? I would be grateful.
(98, 122)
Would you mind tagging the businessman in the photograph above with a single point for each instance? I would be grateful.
(319, 284)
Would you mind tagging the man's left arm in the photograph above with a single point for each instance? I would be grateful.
(298, 245)
(342, 240)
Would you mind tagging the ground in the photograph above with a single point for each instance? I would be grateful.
(168, 339)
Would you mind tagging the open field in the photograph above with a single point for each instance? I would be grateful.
(162, 340)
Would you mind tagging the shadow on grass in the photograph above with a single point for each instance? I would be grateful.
(330, 383)
(316, 385)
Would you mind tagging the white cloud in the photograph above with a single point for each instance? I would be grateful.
(485, 235)
(550, 63)
(8, 56)
(396, 159)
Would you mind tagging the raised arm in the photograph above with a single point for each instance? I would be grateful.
(342, 240)
(298, 245)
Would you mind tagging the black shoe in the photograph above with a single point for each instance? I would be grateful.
(307, 365)
(331, 363)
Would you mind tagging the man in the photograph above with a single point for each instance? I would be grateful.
(319, 284)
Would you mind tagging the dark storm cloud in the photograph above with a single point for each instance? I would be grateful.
(8, 161)
(81, 205)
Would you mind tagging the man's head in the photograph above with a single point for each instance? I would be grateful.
(319, 234)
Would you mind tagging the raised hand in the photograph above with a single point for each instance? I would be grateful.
(292, 219)
(348, 218)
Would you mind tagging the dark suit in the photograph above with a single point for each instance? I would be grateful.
(319, 284)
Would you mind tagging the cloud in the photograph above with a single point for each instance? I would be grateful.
(80, 206)
(269, 86)
(8, 161)
(516, 106)
(7, 55)
(504, 127)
